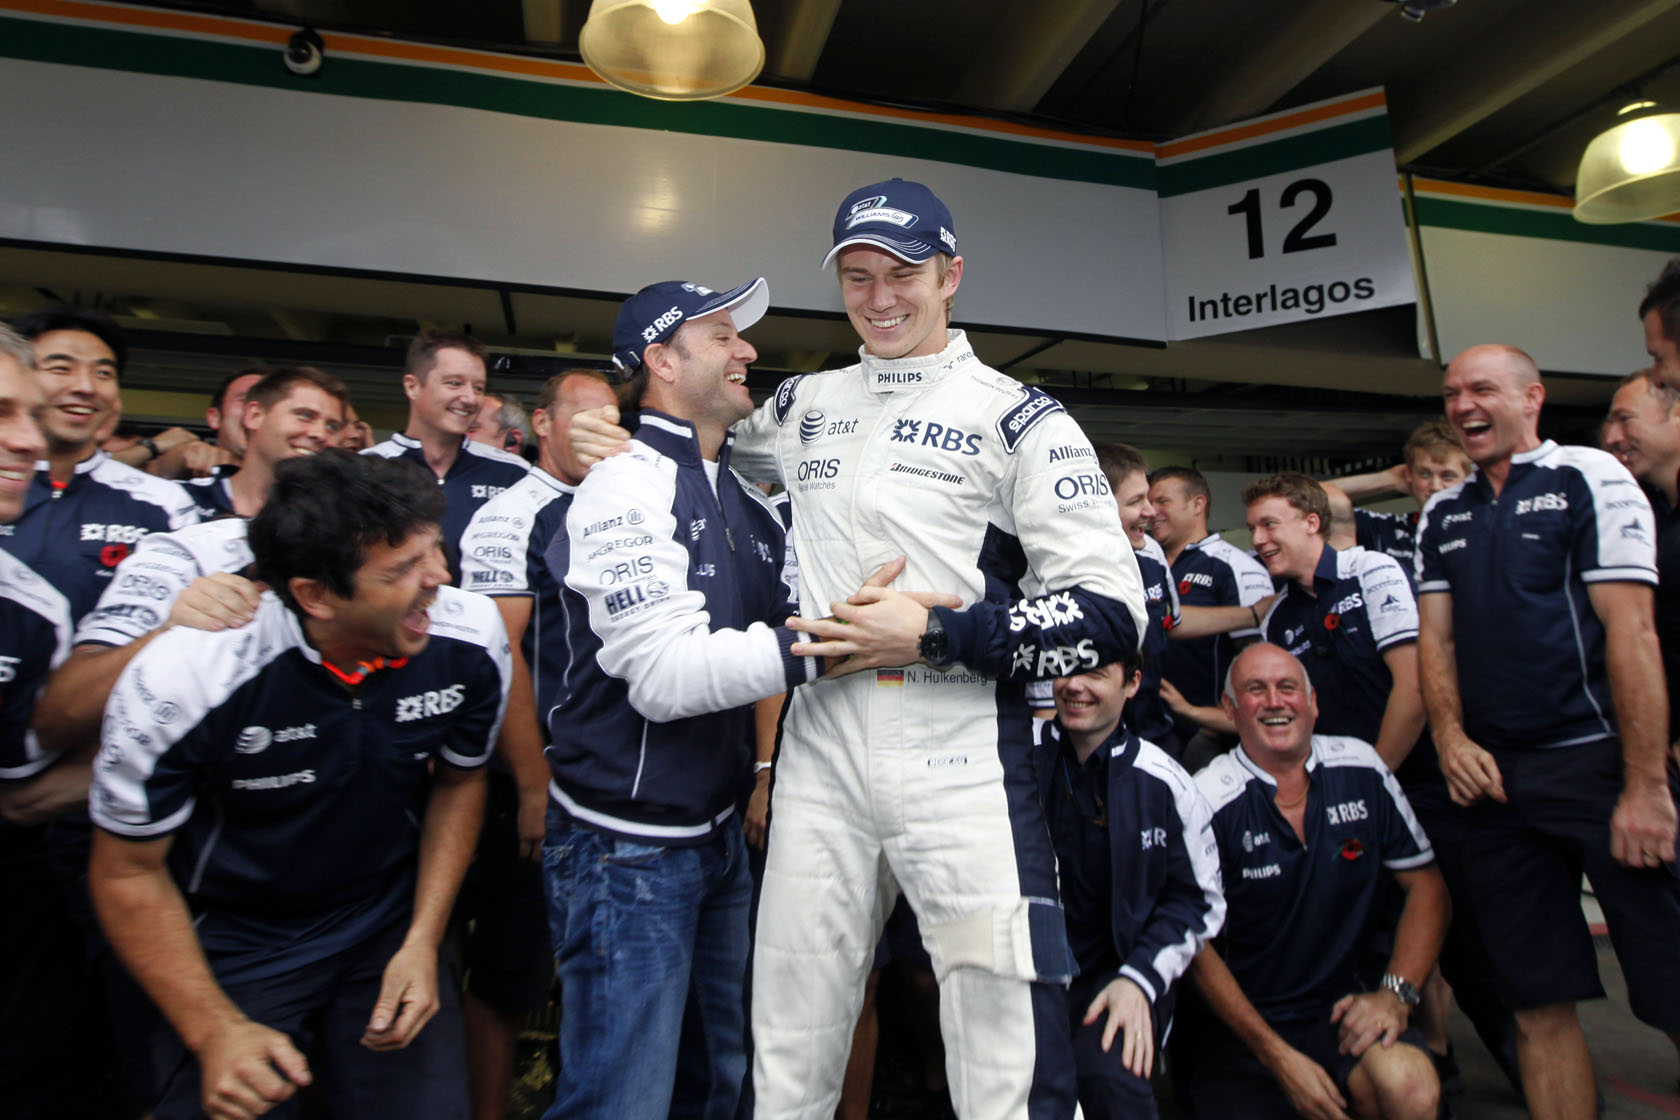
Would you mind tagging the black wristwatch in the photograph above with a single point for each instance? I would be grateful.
(934, 646)
(151, 446)
(1402, 987)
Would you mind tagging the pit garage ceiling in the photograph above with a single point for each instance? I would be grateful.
(1501, 93)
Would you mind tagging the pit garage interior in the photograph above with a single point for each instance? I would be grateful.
(1501, 95)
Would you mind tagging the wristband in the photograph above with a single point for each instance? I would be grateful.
(761, 767)
(1254, 614)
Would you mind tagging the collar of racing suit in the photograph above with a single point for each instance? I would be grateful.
(887, 375)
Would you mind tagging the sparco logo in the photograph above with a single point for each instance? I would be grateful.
(438, 702)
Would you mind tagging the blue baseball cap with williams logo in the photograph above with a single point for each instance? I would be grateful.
(904, 218)
(654, 314)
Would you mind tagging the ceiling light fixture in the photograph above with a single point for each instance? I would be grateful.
(1413, 11)
(1631, 171)
(674, 50)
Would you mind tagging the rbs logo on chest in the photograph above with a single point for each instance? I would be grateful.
(936, 435)
(438, 702)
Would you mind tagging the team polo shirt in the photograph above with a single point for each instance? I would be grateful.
(1146, 713)
(148, 582)
(1668, 601)
(1392, 533)
(34, 638)
(502, 556)
(1210, 573)
(1361, 605)
(75, 535)
(212, 494)
(1298, 914)
(1531, 668)
(295, 804)
(478, 474)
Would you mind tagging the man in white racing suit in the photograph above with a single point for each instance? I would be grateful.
(911, 769)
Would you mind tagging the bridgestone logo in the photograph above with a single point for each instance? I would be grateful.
(925, 472)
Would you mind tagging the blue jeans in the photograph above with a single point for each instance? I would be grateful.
(642, 932)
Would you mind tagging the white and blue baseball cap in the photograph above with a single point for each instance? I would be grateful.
(904, 218)
(654, 314)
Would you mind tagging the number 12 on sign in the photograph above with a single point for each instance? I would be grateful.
(1300, 237)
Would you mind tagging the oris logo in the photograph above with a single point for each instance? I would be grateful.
(818, 468)
(493, 552)
(438, 702)
(1074, 485)
(627, 570)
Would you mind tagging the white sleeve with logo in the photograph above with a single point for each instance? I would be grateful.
(1615, 530)
(1390, 605)
(142, 591)
(655, 632)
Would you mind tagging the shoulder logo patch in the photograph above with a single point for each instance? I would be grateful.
(785, 392)
(1013, 425)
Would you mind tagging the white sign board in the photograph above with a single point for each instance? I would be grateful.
(1289, 217)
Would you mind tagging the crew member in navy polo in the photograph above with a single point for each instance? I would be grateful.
(1349, 615)
(298, 410)
(85, 510)
(671, 566)
(1309, 828)
(501, 912)
(1544, 685)
(1209, 572)
(189, 576)
(1140, 886)
(444, 378)
(285, 810)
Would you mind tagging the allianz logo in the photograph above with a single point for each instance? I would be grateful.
(255, 740)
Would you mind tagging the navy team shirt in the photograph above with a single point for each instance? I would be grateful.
(1299, 915)
(34, 638)
(1392, 533)
(1361, 606)
(478, 474)
(75, 535)
(295, 804)
(1531, 669)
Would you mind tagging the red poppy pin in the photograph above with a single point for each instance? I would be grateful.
(1352, 849)
(1332, 620)
(1184, 587)
(113, 554)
